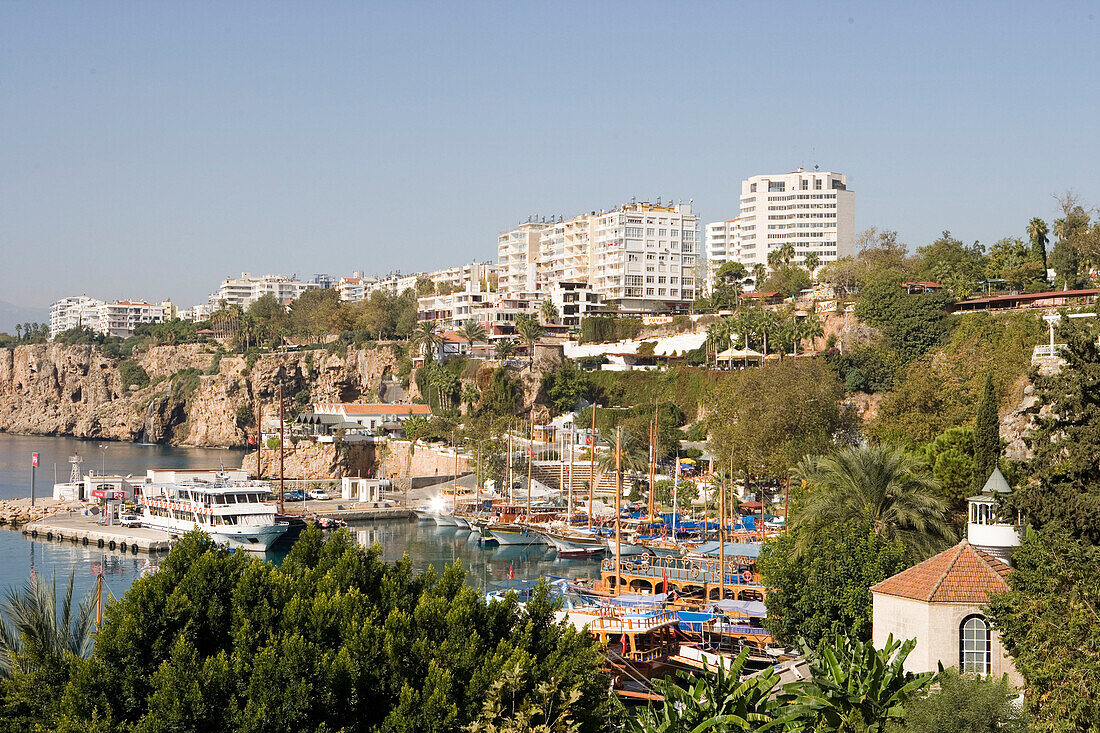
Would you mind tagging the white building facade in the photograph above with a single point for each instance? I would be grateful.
(244, 290)
(518, 256)
(121, 317)
(721, 244)
(78, 311)
(812, 210)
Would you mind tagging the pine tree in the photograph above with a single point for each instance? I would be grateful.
(987, 435)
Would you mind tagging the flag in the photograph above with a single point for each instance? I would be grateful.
(511, 572)
(664, 580)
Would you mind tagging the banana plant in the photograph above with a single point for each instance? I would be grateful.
(855, 688)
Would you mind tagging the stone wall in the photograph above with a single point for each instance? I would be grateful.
(309, 460)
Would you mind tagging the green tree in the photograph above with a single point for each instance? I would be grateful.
(472, 331)
(331, 639)
(427, 339)
(965, 704)
(1005, 256)
(812, 261)
(855, 687)
(787, 279)
(315, 313)
(505, 348)
(950, 457)
(132, 374)
(987, 436)
(716, 700)
(566, 386)
(1064, 476)
(951, 263)
(767, 419)
(548, 311)
(269, 315)
(912, 324)
(882, 487)
(1048, 623)
(845, 558)
(1037, 235)
(1065, 260)
(530, 330)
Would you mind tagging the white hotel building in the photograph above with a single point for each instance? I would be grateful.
(78, 311)
(518, 256)
(641, 256)
(812, 210)
(244, 290)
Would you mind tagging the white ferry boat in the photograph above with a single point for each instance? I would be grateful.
(240, 515)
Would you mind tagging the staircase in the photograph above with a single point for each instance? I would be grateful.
(550, 473)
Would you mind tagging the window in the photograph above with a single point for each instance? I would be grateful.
(649, 232)
(805, 184)
(752, 188)
(776, 186)
(974, 647)
(817, 184)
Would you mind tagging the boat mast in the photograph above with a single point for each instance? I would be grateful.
(530, 458)
(510, 430)
(618, 510)
(572, 442)
(675, 497)
(454, 479)
(722, 538)
(259, 435)
(653, 464)
(282, 447)
(592, 466)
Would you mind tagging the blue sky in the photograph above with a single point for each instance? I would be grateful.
(151, 149)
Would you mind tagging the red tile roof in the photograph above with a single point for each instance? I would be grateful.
(385, 409)
(963, 574)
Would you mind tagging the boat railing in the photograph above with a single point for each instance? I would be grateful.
(683, 570)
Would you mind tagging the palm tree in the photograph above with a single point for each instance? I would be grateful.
(472, 331)
(427, 338)
(774, 258)
(812, 261)
(759, 273)
(470, 395)
(633, 456)
(36, 634)
(548, 311)
(530, 330)
(786, 253)
(1037, 233)
(881, 486)
(505, 348)
(808, 328)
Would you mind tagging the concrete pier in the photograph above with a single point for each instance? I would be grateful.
(87, 531)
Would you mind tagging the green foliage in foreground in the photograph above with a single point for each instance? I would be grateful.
(964, 704)
(808, 597)
(854, 687)
(1049, 624)
(333, 639)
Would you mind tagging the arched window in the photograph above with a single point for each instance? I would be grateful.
(974, 647)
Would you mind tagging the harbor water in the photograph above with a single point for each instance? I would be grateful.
(424, 542)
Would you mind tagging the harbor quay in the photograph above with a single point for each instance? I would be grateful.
(89, 531)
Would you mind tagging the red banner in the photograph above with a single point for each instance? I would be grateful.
(34, 460)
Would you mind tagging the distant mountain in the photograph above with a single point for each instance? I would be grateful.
(12, 314)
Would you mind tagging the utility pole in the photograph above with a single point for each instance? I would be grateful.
(282, 448)
(530, 459)
(572, 442)
(454, 479)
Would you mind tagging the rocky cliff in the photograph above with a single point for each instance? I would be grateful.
(192, 398)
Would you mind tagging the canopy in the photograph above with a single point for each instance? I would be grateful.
(739, 354)
(733, 549)
(756, 609)
(635, 600)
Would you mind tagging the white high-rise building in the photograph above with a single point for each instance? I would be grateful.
(722, 244)
(244, 290)
(518, 256)
(639, 257)
(121, 317)
(78, 311)
(812, 210)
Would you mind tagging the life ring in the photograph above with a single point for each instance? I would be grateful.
(694, 572)
(731, 566)
(644, 559)
(521, 519)
(712, 566)
(746, 577)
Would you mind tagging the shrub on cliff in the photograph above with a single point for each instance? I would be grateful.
(132, 374)
(332, 639)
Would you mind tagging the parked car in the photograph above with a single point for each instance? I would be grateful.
(294, 495)
(319, 495)
(129, 520)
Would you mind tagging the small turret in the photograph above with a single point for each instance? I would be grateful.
(985, 528)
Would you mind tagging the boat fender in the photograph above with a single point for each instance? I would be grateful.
(122, 546)
(49, 535)
(34, 533)
(99, 542)
(111, 544)
(133, 548)
(84, 541)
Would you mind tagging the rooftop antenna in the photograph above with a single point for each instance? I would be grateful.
(74, 475)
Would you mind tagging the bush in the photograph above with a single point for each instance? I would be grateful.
(132, 374)
(244, 417)
(963, 703)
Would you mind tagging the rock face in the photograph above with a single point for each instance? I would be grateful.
(77, 390)
(308, 460)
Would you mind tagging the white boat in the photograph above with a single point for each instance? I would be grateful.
(516, 534)
(423, 513)
(445, 519)
(574, 542)
(240, 515)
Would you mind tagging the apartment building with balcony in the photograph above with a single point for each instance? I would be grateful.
(244, 290)
(812, 210)
(518, 252)
(121, 317)
(721, 244)
(78, 311)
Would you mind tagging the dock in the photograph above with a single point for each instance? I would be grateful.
(88, 532)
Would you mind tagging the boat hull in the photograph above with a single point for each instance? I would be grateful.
(445, 520)
(258, 539)
(517, 536)
(575, 546)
